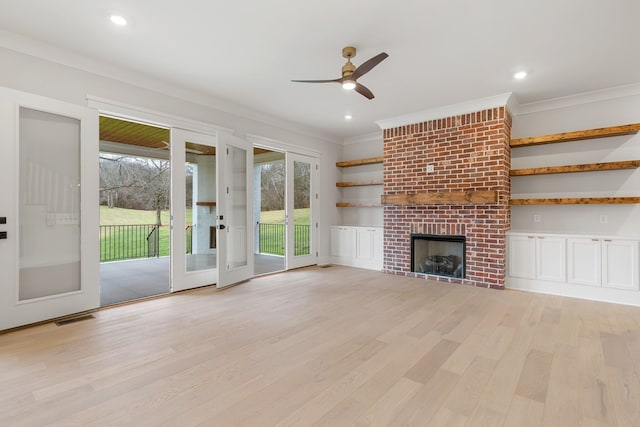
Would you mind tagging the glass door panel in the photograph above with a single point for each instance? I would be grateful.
(49, 204)
(301, 207)
(301, 199)
(235, 210)
(200, 206)
(193, 209)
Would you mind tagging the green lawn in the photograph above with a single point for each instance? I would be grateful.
(300, 217)
(126, 241)
(132, 244)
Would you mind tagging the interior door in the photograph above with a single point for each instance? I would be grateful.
(193, 210)
(49, 248)
(300, 216)
(235, 210)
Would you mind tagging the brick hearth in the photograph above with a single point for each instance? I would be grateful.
(470, 152)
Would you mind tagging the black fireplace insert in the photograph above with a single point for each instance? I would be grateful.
(439, 255)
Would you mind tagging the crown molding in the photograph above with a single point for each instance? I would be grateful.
(44, 51)
(578, 99)
(275, 144)
(447, 111)
(369, 137)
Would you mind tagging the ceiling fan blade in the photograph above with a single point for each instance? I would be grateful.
(362, 90)
(366, 66)
(317, 81)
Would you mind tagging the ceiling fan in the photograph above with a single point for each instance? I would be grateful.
(350, 74)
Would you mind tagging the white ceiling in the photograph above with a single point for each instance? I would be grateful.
(441, 52)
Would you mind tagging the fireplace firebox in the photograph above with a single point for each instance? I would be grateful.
(438, 255)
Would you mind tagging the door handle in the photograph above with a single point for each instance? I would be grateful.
(222, 226)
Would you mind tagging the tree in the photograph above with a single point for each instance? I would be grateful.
(135, 182)
(301, 185)
(153, 180)
(272, 176)
(115, 174)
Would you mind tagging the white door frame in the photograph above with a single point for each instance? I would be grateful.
(181, 279)
(12, 311)
(292, 260)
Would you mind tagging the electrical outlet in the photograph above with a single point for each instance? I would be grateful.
(430, 168)
(537, 218)
(604, 219)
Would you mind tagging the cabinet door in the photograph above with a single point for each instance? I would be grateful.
(620, 264)
(364, 244)
(378, 248)
(336, 242)
(550, 258)
(521, 256)
(343, 242)
(584, 261)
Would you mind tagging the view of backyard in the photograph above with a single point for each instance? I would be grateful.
(120, 240)
(135, 197)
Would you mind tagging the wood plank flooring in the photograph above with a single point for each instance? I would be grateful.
(330, 347)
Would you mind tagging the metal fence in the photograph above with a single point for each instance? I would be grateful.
(118, 242)
(271, 239)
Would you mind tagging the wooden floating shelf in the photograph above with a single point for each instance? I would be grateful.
(205, 204)
(359, 183)
(590, 167)
(450, 198)
(576, 136)
(358, 205)
(360, 162)
(578, 201)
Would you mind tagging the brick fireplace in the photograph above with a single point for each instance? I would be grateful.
(466, 194)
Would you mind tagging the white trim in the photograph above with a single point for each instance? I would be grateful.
(593, 293)
(44, 51)
(122, 110)
(579, 99)
(369, 137)
(269, 143)
(447, 111)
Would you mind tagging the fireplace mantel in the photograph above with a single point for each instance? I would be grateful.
(448, 198)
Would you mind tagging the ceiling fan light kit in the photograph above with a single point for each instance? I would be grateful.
(350, 73)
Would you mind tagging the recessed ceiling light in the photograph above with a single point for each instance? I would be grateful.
(520, 75)
(118, 20)
(347, 117)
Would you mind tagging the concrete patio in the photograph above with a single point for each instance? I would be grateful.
(129, 280)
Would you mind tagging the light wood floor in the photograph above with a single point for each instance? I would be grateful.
(333, 347)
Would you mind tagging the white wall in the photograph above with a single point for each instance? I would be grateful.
(52, 79)
(620, 219)
(359, 148)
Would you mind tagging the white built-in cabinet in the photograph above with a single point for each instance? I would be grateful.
(552, 263)
(584, 261)
(357, 246)
(537, 257)
(612, 263)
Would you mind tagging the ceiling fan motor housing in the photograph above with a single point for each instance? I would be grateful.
(348, 68)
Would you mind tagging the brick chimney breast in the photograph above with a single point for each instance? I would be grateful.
(469, 153)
